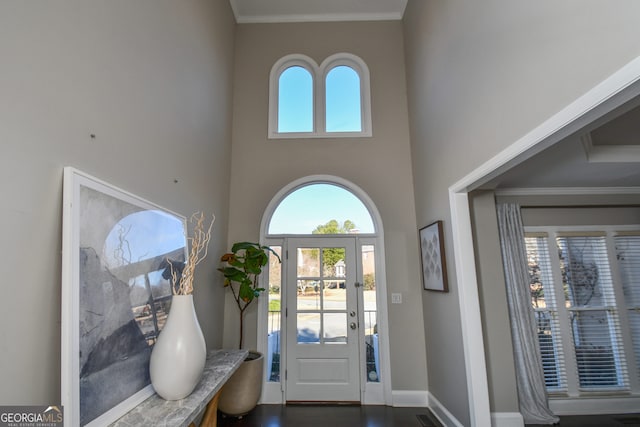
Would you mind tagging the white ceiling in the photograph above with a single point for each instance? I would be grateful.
(256, 11)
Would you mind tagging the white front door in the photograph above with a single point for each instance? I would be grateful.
(322, 321)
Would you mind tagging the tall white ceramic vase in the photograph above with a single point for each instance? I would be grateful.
(178, 357)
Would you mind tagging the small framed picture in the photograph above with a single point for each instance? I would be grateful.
(434, 266)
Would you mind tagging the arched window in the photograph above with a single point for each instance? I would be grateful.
(329, 220)
(321, 208)
(307, 100)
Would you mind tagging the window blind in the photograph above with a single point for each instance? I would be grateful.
(628, 256)
(544, 304)
(593, 315)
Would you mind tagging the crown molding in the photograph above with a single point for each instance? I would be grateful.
(243, 14)
(339, 17)
(566, 191)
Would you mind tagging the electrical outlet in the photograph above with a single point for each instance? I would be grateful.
(396, 298)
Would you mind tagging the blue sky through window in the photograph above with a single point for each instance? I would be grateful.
(343, 100)
(295, 101)
(316, 204)
(343, 109)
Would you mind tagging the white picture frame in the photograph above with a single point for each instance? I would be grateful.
(116, 293)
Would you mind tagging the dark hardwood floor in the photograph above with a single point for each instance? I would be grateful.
(331, 416)
(625, 420)
(383, 416)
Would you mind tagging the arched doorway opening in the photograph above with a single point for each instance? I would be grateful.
(323, 327)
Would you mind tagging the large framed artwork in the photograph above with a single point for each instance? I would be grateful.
(116, 294)
(434, 266)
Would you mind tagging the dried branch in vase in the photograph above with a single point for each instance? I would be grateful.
(182, 277)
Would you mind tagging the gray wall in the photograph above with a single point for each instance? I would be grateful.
(380, 165)
(480, 75)
(152, 80)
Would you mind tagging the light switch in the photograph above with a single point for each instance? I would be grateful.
(396, 298)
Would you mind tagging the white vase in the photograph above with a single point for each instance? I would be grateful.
(179, 354)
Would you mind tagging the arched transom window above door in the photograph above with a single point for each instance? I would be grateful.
(321, 208)
(329, 100)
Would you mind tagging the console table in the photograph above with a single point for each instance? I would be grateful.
(155, 411)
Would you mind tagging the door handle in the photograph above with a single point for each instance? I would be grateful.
(352, 314)
(352, 325)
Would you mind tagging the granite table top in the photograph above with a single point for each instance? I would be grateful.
(155, 411)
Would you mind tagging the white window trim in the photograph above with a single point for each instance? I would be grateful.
(319, 74)
(293, 60)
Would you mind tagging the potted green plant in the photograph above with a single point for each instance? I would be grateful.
(241, 270)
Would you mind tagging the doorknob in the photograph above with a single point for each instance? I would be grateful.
(352, 325)
(352, 314)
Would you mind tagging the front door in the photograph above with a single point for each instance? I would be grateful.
(322, 321)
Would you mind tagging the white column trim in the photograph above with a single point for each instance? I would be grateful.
(471, 319)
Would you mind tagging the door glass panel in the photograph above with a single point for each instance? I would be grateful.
(317, 294)
(335, 271)
(308, 295)
(334, 262)
(308, 328)
(274, 319)
(308, 262)
(334, 295)
(370, 313)
(335, 328)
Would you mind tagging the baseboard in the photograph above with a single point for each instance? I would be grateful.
(595, 405)
(507, 419)
(442, 413)
(410, 398)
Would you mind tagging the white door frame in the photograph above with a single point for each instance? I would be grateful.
(611, 93)
(371, 393)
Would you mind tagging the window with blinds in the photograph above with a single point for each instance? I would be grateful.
(546, 311)
(585, 292)
(592, 311)
(628, 257)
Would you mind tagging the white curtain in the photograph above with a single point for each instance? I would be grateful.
(532, 393)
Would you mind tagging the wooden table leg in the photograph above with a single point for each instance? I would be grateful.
(210, 417)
